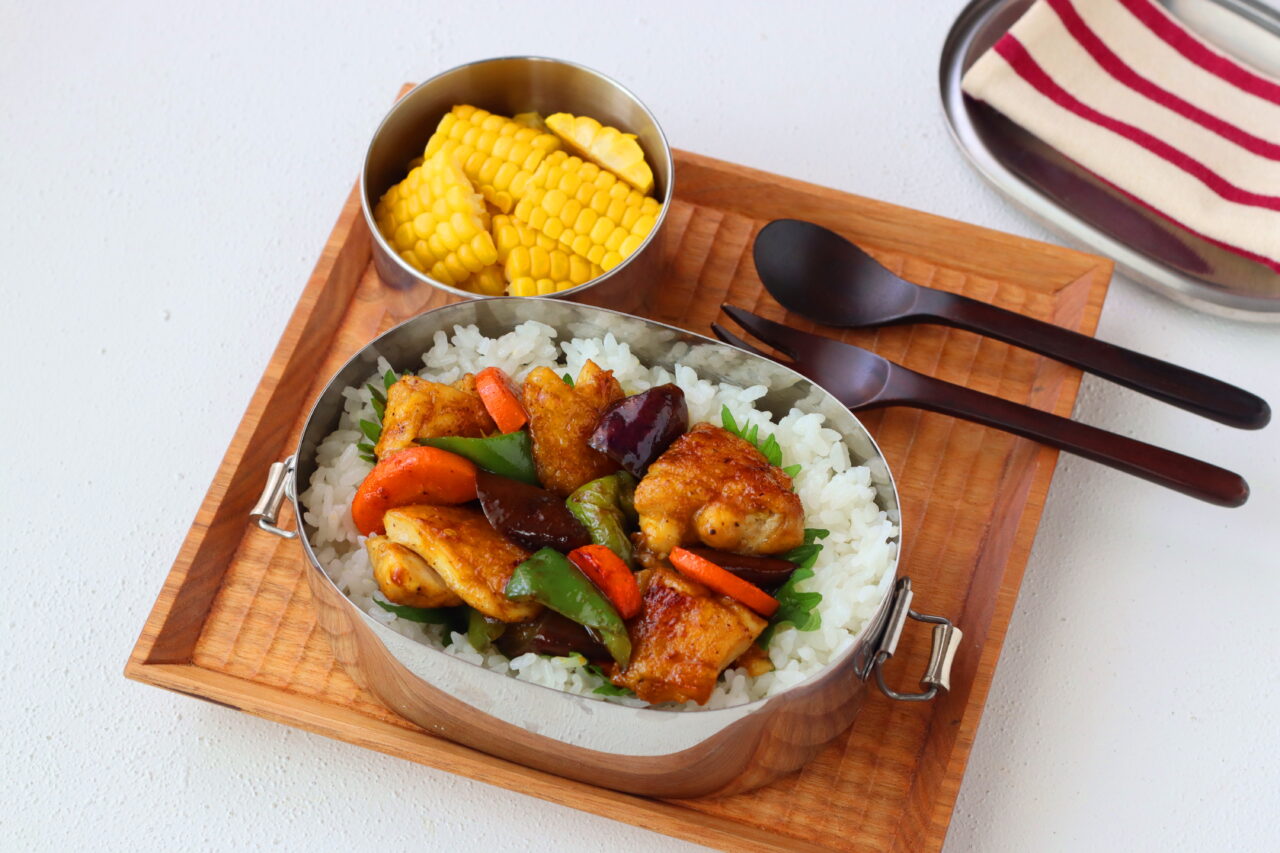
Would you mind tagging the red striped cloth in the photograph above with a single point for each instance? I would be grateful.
(1126, 91)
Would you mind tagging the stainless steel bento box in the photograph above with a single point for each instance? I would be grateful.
(648, 751)
(507, 86)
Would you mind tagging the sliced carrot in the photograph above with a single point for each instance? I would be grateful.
(608, 572)
(415, 475)
(716, 578)
(500, 400)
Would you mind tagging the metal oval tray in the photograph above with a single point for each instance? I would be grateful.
(1083, 210)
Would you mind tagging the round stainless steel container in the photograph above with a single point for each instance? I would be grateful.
(507, 86)
(652, 751)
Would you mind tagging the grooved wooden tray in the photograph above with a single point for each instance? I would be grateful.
(234, 623)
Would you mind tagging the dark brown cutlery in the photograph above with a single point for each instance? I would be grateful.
(820, 275)
(861, 380)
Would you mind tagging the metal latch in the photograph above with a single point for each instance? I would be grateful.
(267, 509)
(946, 639)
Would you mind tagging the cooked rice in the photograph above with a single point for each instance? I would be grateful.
(837, 496)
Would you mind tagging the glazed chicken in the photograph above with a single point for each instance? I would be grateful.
(473, 559)
(561, 419)
(714, 488)
(406, 578)
(417, 408)
(682, 639)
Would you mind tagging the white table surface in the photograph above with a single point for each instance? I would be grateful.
(170, 175)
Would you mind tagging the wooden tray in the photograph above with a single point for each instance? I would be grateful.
(234, 622)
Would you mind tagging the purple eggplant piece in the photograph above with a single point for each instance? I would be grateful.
(765, 572)
(636, 430)
(549, 633)
(530, 517)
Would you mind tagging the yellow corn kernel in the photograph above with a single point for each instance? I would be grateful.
(412, 261)
(615, 239)
(518, 263)
(523, 287)
(569, 213)
(530, 119)
(581, 270)
(607, 146)
(557, 266)
(642, 226)
(601, 230)
(553, 200)
(629, 245)
(488, 281)
(546, 286)
(617, 207)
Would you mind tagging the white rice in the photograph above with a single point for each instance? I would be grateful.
(837, 496)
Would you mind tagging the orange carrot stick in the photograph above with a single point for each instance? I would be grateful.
(500, 400)
(608, 572)
(414, 475)
(716, 578)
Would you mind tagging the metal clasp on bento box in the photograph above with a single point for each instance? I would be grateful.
(267, 509)
(946, 639)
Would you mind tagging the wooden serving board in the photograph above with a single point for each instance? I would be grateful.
(234, 622)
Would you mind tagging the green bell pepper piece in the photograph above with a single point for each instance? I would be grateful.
(507, 455)
(604, 507)
(550, 579)
(482, 630)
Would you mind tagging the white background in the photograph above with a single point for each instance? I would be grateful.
(170, 173)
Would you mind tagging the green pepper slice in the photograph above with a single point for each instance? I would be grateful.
(483, 630)
(604, 507)
(507, 455)
(550, 579)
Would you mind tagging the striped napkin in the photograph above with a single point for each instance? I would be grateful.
(1127, 92)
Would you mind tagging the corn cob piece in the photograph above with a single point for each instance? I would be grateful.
(436, 221)
(587, 209)
(497, 154)
(529, 286)
(607, 147)
(489, 281)
(532, 119)
(525, 253)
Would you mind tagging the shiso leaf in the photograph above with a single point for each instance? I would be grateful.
(727, 421)
(771, 449)
(568, 380)
(379, 401)
(608, 688)
(795, 607)
(389, 379)
(371, 430)
(425, 615)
